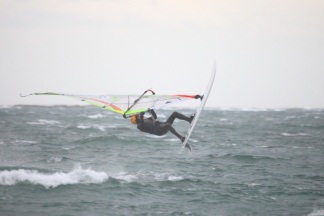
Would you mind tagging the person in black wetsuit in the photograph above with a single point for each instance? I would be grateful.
(150, 125)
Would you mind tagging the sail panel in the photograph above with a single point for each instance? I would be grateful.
(127, 103)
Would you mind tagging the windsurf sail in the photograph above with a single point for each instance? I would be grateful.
(126, 104)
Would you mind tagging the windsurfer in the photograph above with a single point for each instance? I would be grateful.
(150, 125)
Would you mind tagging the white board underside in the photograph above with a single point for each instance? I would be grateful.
(200, 108)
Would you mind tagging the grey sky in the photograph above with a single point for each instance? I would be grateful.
(269, 53)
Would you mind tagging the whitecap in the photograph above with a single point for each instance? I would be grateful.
(246, 109)
(44, 122)
(55, 160)
(126, 177)
(253, 184)
(317, 212)
(154, 136)
(290, 117)
(5, 106)
(298, 134)
(102, 128)
(52, 180)
(96, 116)
(26, 141)
(177, 140)
(175, 178)
(165, 176)
(159, 176)
(68, 148)
(171, 140)
(83, 127)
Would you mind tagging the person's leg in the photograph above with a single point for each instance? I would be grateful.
(161, 130)
(165, 128)
(175, 115)
(172, 130)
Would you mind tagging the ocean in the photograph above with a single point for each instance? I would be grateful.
(87, 161)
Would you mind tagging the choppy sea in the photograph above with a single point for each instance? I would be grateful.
(84, 161)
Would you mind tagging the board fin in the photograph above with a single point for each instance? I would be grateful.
(188, 147)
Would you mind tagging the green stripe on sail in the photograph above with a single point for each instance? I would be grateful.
(136, 111)
(114, 98)
(99, 105)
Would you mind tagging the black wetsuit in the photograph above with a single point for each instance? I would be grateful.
(160, 128)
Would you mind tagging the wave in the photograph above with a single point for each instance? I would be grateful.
(99, 115)
(252, 157)
(247, 109)
(260, 109)
(101, 128)
(25, 141)
(247, 158)
(100, 139)
(298, 134)
(52, 180)
(317, 212)
(44, 122)
(6, 107)
(175, 178)
(56, 159)
(145, 177)
(126, 177)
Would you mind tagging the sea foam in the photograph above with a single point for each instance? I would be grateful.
(52, 180)
(44, 122)
(317, 212)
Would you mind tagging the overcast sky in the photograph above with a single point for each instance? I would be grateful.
(269, 53)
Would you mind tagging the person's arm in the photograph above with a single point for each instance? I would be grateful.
(142, 119)
(153, 113)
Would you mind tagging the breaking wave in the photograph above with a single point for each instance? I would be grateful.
(52, 180)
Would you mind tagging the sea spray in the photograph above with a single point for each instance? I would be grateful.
(51, 180)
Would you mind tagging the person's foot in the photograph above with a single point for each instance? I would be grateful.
(191, 118)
